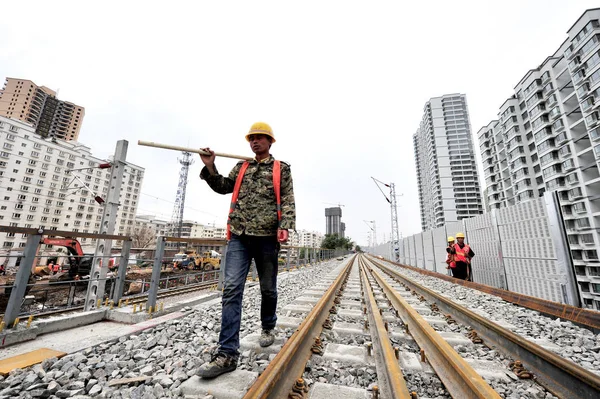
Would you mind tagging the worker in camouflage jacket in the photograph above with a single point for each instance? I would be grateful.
(255, 231)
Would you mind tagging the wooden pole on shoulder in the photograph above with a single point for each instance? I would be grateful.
(194, 150)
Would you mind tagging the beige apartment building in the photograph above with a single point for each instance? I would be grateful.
(38, 106)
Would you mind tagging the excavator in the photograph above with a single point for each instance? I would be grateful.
(80, 264)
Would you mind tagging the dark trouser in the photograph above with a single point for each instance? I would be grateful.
(460, 271)
(240, 252)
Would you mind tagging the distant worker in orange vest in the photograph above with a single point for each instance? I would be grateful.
(462, 254)
(450, 258)
(261, 213)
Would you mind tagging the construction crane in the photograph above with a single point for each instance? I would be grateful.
(395, 237)
(177, 217)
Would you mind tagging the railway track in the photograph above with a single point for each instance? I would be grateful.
(138, 299)
(558, 375)
(358, 302)
(390, 314)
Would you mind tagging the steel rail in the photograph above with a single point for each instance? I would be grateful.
(584, 317)
(288, 366)
(134, 299)
(560, 376)
(389, 373)
(459, 378)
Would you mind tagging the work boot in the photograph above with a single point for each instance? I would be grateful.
(267, 338)
(219, 364)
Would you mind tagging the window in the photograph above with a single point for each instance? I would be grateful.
(551, 171)
(587, 238)
(566, 150)
(561, 138)
(572, 178)
(548, 158)
(568, 164)
(575, 193)
(579, 207)
(592, 119)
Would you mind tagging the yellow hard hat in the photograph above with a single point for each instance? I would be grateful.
(460, 235)
(450, 238)
(261, 128)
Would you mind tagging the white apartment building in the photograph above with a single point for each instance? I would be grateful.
(158, 226)
(312, 239)
(34, 179)
(445, 159)
(208, 231)
(547, 138)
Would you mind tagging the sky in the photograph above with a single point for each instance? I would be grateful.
(342, 83)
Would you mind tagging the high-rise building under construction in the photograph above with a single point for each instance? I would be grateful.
(333, 222)
(449, 188)
(38, 106)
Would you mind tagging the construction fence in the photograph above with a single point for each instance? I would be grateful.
(521, 248)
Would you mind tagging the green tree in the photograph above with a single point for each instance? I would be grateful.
(333, 241)
(357, 248)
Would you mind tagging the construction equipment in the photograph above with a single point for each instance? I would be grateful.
(80, 264)
(189, 259)
(211, 260)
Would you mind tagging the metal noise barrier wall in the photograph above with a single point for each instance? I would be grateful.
(519, 248)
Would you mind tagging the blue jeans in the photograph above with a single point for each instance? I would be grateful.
(240, 252)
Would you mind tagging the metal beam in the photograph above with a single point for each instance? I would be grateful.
(18, 291)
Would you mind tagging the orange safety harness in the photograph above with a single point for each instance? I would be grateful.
(238, 184)
(462, 254)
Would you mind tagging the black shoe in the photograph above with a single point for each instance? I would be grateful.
(219, 364)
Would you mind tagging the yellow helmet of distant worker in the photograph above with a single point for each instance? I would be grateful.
(450, 238)
(460, 235)
(261, 128)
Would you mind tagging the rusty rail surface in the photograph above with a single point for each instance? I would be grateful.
(558, 375)
(459, 378)
(585, 317)
(288, 366)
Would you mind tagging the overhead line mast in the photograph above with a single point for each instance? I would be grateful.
(395, 239)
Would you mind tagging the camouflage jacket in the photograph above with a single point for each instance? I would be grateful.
(255, 212)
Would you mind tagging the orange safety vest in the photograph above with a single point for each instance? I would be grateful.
(462, 254)
(238, 184)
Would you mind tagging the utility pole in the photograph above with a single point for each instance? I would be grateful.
(395, 241)
(109, 218)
